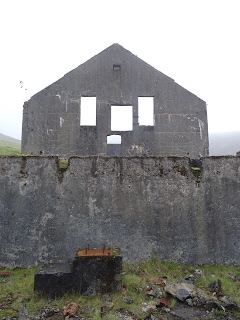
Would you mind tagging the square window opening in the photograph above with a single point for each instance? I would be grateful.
(121, 118)
(146, 111)
(88, 111)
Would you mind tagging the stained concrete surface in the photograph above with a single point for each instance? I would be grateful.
(147, 206)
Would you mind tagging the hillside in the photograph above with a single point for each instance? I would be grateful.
(9, 146)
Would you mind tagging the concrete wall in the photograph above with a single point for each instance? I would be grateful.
(51, 118)
(145, 205)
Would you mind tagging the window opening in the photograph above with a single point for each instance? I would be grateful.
(116, 67)
(121, 118)
(88, 111)
(114, 147)
(114, 139)
(146, 111)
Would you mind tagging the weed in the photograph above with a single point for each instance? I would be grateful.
(196, 168)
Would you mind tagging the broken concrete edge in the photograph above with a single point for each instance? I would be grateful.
(63, 164)
(118, 157)
(193, 166)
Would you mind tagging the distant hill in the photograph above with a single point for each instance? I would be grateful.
(224, 143)
(9, 146)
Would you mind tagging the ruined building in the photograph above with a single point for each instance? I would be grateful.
(115, 104)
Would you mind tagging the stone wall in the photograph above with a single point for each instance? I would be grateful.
(174, 208)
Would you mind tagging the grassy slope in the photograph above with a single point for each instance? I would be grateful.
(9, 146)
(19, 287)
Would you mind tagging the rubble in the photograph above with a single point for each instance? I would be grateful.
(181, 291)
(154, 291)
(23, 314)
(71, 309)
(215, 286)
(228, 303)
(127, 300)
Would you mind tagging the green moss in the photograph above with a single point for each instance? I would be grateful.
(63, 164)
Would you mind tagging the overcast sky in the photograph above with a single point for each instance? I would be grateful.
(195, 42)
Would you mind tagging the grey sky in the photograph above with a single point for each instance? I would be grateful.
(194, 42)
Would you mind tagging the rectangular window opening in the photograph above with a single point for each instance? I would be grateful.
(114, 147)
(88, 111)
(116, 67)
(121, 118)
(114, 139)
(146, 111)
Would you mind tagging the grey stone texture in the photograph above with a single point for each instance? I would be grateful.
(147, 206)
(51, 118)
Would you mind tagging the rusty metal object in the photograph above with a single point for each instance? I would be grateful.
(87, 252)
(5, 274)
(164, 302)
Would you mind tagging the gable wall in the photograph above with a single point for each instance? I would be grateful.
(51, 123)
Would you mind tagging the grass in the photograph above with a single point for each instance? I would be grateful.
(9, 146)
(9, 151)
(18, 288)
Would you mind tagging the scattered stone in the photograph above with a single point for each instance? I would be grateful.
(139, 289)
(125, 314)
(71, 309)
(23, 314)
(187, 279)
(198, 274)
(148, 308)
(182, 294)
(154, 291)
(106, 297)
(199, 301)
(234, 278)
(49, 313)
(181, 290)
(189, 302)
(4, 281)
(127, 299)
(214, 305)
(215, 286)
(167, 310)
(87, 309)
(228, 303)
